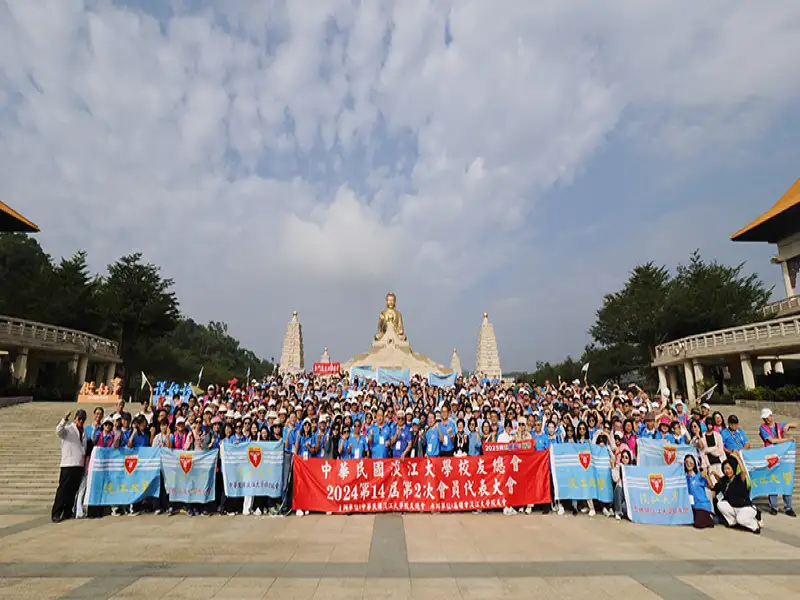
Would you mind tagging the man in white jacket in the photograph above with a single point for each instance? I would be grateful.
(74, 442)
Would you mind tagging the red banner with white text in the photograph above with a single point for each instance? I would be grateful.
(421, 484)
(524, 447)
(327, 368)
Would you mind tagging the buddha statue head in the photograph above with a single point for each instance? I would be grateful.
(391, 300)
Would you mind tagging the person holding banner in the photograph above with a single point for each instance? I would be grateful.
(773, 433)
(697, 482)
(74, 444)
(733, 498)
(625, 459)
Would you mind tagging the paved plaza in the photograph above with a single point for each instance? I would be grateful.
(392, 556)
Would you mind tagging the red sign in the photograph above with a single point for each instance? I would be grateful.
(525, 447)
(130, 463)
(670, 454)
(186, 463)
(327, 368)
(422, 484)
(656, 483)
(254, 454)
(585, 458)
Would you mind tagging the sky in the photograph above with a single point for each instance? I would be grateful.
(513, 157)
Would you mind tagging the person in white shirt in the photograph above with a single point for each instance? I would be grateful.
(74, 442)
(508, 433)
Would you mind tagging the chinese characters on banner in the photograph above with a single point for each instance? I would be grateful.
(581, 472)
(421, 484)
(252, 469)
(656, 453)
(525, 447)
(657, 496)
(771, 469)
(332, 368)
(189, 475)
(123, 476)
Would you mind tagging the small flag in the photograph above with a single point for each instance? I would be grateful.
(585, 368)
(145, 381)
(200, 376)
(708, 393)
(247, 377)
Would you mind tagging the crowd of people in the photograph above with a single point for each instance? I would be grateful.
(335, 418)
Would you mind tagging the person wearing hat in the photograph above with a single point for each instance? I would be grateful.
(771, 433)
(648, 430)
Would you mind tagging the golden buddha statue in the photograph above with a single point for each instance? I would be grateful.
(390, 315)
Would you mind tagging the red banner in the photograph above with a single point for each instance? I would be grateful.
(421, 484)
(525, 447)
(327, 368)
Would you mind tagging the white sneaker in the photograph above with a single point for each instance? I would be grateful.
(618, 517)
(592, 513)
(257, 512)
(299, 513)
(528, 510)
(329, 513)
(606, 512)
(157, 511)
(114, 512)
(508, 511)
(560, 510)
(585, 510)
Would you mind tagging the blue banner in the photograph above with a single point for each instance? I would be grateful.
(252, 469)
(170, 388)
(771, 469)
(581, 472)
(442, 380)
(657, 453)
(657, 495)
(189, 476)
(394, 376)
(118, 477)
(363, 373)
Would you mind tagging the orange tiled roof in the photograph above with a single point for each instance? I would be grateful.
(789, 200)
(22, 224)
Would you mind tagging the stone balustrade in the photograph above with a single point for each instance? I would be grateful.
(30, 334)
(781, 308)
(777, 335)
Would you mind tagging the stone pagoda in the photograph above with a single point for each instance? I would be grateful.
(325, 358)
(292, 360)
(455, 363)
(488, 362)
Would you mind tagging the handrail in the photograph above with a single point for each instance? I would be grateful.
(753, 335)
(781, 306)
(47, 335)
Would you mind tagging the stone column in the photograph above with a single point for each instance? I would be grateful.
(73, 364)
(787, 279)
(672, 373)
(699, 374)
(21, 365)
(689, 375)
(83, 366)
(662, 378)
(111, 370)
(99, 374)
(33, 371)
(748, 377)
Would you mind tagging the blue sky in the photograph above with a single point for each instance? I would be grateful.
(515, 158)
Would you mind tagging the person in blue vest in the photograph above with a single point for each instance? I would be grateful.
(772, 433)
(345, 444)
(94, 430)
(432, 437)
(321, 443)
(447, 433)
(379, 436)
(304, 442)
(402, 444)
(358, 442)
(541, 439)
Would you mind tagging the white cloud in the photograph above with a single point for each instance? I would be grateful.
(351, 140)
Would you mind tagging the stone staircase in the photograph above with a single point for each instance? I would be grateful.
(30, 453)
(750, 421)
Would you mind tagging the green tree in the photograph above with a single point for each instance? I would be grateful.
(75, 295)
(139, 308)
(25, 276)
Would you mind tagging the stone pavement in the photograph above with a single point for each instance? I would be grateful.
(392, 556)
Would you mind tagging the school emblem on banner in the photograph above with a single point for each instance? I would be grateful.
(670, 454)
(656, 483)
(772, 460)
(254, 454)
(585, 458)
(130, 464)
(186, 463)
(771, 469)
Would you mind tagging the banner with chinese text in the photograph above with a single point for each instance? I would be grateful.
(252, 469)
(581, 472)
(332, 368)
(189, 476)
(657, 495)
(421, 484)
(657, 453)
(771, 469)
(118, 477)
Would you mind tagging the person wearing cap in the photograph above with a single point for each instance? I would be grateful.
(733, 438)
(321, 444)
(124, 432)
(771, 433)
(648, 430)
(104, 438)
